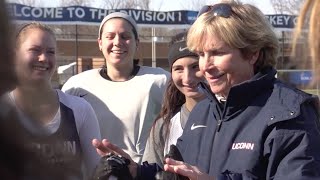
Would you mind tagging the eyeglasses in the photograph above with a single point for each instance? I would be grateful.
(221, 9)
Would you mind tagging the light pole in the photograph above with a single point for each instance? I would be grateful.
(154, 39)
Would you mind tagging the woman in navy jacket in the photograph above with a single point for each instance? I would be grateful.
(252, 126)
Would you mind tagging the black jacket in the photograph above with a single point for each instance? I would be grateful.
(265, 130)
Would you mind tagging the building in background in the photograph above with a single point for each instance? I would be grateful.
(76, 28)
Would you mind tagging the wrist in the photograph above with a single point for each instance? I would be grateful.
(134, 168)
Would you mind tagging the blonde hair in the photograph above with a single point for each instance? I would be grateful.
(247, 29)
(309, 19)
(20, 34)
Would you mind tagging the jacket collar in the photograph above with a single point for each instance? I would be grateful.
(242, 94)
(285, 103)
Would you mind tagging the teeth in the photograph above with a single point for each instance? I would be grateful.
(118, 52)
(40, 68)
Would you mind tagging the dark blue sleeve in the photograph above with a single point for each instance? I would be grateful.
(230, 176)
(147, 171)
(293, 147)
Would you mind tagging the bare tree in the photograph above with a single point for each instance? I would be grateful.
(144, 4)
(27, 2)
(110, 4)
(159, 5)
(193, 4)
(196, 5)
(290, 7)
(75, 3)
(132, 4)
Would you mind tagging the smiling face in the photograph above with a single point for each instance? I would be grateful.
(223, 66)
(118, 43)
(186, 76)
(35, 56)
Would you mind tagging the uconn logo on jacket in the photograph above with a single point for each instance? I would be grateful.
(242, 145)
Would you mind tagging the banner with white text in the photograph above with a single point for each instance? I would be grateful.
(144, 18)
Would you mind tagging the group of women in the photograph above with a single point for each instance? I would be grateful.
(223, 107)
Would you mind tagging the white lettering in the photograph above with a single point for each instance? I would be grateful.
(37, 12)
(59, 12)
(286, 19)
(243, 145)
(15, 12)
(279, 20)
(170, 16)
(93, 13)
(80, 13)
(272, 19)
(24, 11)
(136, 15)
(161, 16)
(70, 147)
(250, 146)
(149, 16)
(180, 19)
(70, 9)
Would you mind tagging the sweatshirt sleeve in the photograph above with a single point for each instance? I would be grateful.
(89, 130)
(154, 151)
(70, 87)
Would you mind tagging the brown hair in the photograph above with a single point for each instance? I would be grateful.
(173, 100)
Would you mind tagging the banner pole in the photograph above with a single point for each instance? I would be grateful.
(76, 50)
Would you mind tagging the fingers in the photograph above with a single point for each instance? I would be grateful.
(173, 162)
(176, 166)
(181, 168)
(105, 146)
(111, 146)
(95, 143)
(100, 148)
(115, 149)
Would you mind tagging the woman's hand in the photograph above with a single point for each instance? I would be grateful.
(105, 147)
(179, 167)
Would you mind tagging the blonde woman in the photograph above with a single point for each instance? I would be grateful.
(252, 126)
(60, 127)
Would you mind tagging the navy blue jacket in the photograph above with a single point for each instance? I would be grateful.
(265, 130)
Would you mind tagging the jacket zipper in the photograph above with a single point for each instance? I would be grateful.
(219, 125)
(209, 94)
